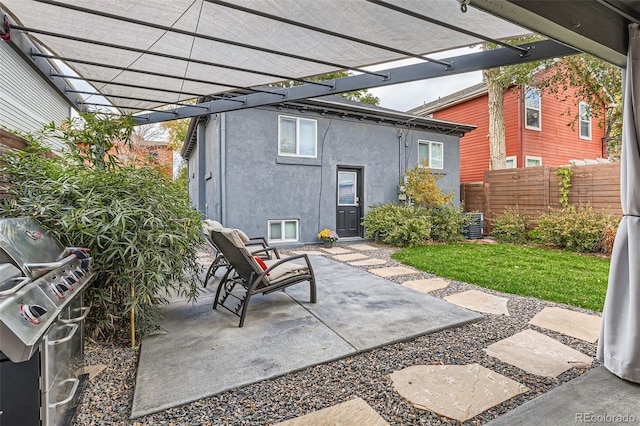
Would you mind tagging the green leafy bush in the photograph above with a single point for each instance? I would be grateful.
(510, 226)
(398, 225)
(422, 186)
(447, 223)
(578, 229)
(139, 225)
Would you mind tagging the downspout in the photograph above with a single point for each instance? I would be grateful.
(201, 152)
(520, 158)
(399, 156)
(223, 168)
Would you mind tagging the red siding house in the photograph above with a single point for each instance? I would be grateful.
(537, 131)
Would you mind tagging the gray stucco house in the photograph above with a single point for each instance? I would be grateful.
(289, 170)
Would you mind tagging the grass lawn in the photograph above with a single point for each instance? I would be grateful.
(548, 274)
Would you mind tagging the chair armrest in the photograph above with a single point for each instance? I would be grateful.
(287, 259)
(256, 241)
(265, 251)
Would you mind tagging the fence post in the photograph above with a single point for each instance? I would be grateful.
(546, 181)
(486, 187)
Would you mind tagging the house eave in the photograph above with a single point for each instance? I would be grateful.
(451, 100)
(380, 114)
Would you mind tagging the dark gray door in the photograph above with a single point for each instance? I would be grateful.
(348, 212)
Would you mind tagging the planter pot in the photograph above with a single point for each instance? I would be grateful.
(328, 244)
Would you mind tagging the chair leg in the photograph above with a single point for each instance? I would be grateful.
(312, 290)
(217, 263)
(210, 272)
(244, 308)
(222, 283)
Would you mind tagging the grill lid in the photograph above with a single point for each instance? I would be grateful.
(24, 242)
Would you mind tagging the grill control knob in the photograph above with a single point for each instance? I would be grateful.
(33, 313)
(70, 280)
(78, 273)
(59, 289)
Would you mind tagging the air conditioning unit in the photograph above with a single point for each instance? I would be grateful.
(473, 230)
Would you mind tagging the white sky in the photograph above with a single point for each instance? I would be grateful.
(403, 97)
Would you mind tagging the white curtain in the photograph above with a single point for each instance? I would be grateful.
(619, 344)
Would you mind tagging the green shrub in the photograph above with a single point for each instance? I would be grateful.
(139, 225)
(398, 225)
(578, 229)
(510, 226)
(447, 223)
(422, 186)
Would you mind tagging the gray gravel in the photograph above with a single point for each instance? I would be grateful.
(107, 398)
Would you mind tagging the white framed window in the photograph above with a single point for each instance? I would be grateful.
(530, 161)
(297, 136)
(431, 154)
(512, 162)
(281, 230)
(532, 111)
(585, 121)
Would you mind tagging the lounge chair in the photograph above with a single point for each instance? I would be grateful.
(259, 245)
(255, 275)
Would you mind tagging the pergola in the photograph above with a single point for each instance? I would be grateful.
(150, 57)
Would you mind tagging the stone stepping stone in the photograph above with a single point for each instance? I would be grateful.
(575, 324)
(350, 256)
(480, 301)
(336, 250)
(368, 262)
(92, 370)
(459, 392)
(426, 285)
(309, 252)
(351, 413)
(393, 271)
(363, 247)
(537, 354)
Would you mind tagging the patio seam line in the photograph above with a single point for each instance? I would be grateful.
(322, 322)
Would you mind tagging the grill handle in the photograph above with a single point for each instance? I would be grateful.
(73, 327)
(68, 399)
(84, 311)
(48, 266)
(22, 282)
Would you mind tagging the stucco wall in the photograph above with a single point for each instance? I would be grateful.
(260, 185)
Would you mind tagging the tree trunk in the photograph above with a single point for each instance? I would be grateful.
(497, 138)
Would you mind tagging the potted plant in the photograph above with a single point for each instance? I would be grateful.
(328, 237)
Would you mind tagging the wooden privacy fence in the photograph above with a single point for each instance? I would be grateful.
(9, 141)
(533, 190)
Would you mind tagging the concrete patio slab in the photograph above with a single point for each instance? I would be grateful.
(368, 262)
(393, 271)
(596, 397)
(350, 257)
(575, 324)
(309, 252)
(352, 413)
(363, 247)
(204, 352)
(480, 301)
(456, 391)
(537, 354)
(369, 311)
(426, 285)
(336, 250)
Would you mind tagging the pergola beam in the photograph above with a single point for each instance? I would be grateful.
(461, 64)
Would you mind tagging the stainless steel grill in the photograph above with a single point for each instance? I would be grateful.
(41, 322)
